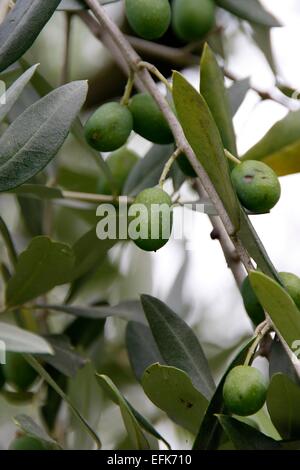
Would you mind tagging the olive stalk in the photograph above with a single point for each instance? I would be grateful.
(168, 167)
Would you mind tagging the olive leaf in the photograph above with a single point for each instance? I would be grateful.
(203, 136)
(237, 93)
(13, 93)
(250, 10)
(18, 340)
(280, 147)
(36, 135)
(42, 266)
(213, 90)
(21, 26)
(27, 425)
(171, 390)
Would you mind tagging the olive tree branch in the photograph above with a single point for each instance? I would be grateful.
(133, 60)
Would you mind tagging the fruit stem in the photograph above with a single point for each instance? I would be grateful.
(232, 157)
(260, 332)
(168, 167)
(152, 69)
(128, 89)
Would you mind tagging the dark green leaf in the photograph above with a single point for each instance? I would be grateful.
(280, 362)
(203, 135)
(42, 266)
(171, 390)
(89, 251)
(21, 26)
(262, 37)
(36, 135)
(283, 403)
(65, 359)
(27, 425)
(244, 437)
(249, 10)
(13, 93)
(147, 171)
(279, 305)
(251, 241)
(178, 344)
(129, 310)
(141, 347)
(214, 92)
(132, 426)
(237, 93)
(38, 191)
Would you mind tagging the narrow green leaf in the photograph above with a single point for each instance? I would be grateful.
(13, 93)
(38, 191)
(146, 425)
(27, 425)
(249, 10)
(147, 171)
(283, 403)
(280, 362)
(213, 90)
(18, 340)
(244, 437)
(44, 374)
(36, 135)
(77, 5)
(279, 305)
(89, 251)
(128, 310)
(178, 344)
(237, 93)
(42, 266)
(251, 241)
(209, 433)
(132, 426)
(171, 390)
(203, 136)
(280, 147)
(262, 37)
(65, 359)
(141, 347)
(21, 26)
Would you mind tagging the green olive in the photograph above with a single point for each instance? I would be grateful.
(152, 219)
(251, 303)
(28, 443)
(244, 391)
(193, 19)
(257, 186)
(120, 164)
(148, 120)
(292, 285)
(149, 19)
(18, 372)
(109, 127)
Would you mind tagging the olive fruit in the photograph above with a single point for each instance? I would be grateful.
(149, 19)
(153, 224)
(109, 127)
(192, 19)
(27, 443)
(257, 186)
(251, 303)
(18, 372)
(120, 164)
(292, 284)
(148, 120)
(245, 390)
(185, 166)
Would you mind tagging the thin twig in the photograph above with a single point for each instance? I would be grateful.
(97, 198)
(168, 167)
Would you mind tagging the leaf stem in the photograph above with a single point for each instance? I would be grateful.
(128, 89)
(231, 157)
(168, 167)
(260, 331)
